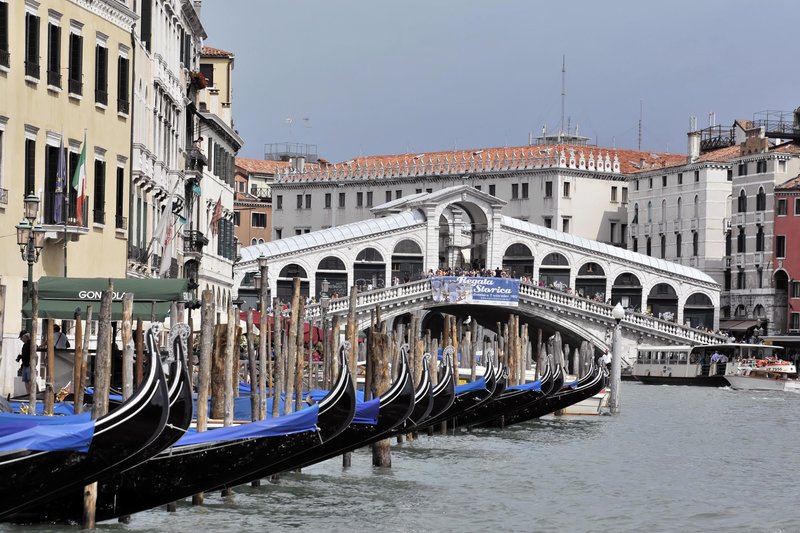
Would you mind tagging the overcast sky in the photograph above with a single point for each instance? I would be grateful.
(378, 77)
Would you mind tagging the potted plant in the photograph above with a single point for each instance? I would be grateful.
(198, 80)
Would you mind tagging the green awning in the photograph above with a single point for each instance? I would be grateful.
(59, 297)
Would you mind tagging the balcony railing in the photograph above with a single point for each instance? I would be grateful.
(677, 225)
(5, 58)
(760, 218)
(99, 216)
(101, 96)
(54, 79)
(50, 216)
(32, 69)
(123, 106)
(75, 87)
(120, 222)
(194, 241)
(136, 253)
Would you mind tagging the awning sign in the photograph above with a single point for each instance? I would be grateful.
(471, 290)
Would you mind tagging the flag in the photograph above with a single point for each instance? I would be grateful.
(217, 216)
(61, 183)
(169, 247)
(165, 222)
(79, 183)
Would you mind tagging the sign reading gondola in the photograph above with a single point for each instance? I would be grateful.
(472, 290)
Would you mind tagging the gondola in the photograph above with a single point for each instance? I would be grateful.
(444, 394)
(67, 507)
(423, 401)
(396, 405)
(569, 394)
(512, 399)
(38, 473)
(469, 396)
(202, 461)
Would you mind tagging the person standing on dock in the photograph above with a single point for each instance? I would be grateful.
(25, 358)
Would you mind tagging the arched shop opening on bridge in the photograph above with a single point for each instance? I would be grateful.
(662, 302)
(369, 270)
(407, 261)
(554, 270)
(591, 282)
(518, 260)
(698, 311)
(463, 234)
(627, 290)
(333, 270)
(286, 280)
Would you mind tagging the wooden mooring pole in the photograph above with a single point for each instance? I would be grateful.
(204, 368)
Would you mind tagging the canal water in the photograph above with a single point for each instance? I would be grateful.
(674, 459)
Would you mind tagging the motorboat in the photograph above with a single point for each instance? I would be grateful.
(765, 375)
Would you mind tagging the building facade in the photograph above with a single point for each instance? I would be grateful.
(786, 256)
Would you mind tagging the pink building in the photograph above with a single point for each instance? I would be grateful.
(786, 258)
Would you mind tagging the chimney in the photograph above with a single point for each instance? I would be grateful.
(298, 164)
(694, 146)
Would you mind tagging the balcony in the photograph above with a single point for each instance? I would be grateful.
(694, 225)
(677, 225)
(120, 222)
(193, 242)
(53, 218)
(728, 261)
(195, 159)
(75, 87)
(760, 218)
(662, 226)
(739, 219)
(32, 69)
(648, 228)
(758, 258)
(54, 78)
(101, 96)
(740, 260)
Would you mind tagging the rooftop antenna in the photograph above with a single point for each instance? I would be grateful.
(563, 91)
(641, 107)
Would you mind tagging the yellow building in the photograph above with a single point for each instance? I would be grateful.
(64, 74)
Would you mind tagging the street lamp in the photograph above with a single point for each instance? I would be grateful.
(618, 313)
(261, 282)
(30, 238)
(324, 304)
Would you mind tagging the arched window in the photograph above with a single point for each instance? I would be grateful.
(680, 208)
(663, 247)
(649, 246)
(741, 241)
(741, 312)
(555, 259)
(696, 206)
(695, 244)
(635, 213)
(678, 244)
(260, 241)
(649, 212)
(663, 210)
(370, 255)
(742, 204)
(407, 246)
(292, 271)
(331, 263)
(761, 200)
(253, 241)
(760, 239)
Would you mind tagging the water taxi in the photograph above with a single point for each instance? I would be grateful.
(765, 374)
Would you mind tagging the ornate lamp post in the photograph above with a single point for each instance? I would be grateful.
(618, 313)
(30, 238)
(261, 282)
(324, 303)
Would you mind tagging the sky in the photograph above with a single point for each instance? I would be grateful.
(359, 77)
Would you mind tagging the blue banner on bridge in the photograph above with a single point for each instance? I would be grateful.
(469, 290)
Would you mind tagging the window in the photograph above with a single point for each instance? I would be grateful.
(797, 207)
(514, 191)
(207, 70)
(635, 214)
(341, 199)
(308, 201)
(237, 218)
(741, 205)
(359, 199)
(663, 210)
(278, 233)
(101, 74)
(388, 196)
(623, 233)
(761, 200)
(742, 169)
(613, 194)
(696, 176)
(696, 206)
(740, 279)
(299, 201)
(369, 198)
(565, 225)
(695, 244)
(781, 166)
(99, 201)
(123, 98)
(636, 184)
(794, 321)
(730, 174)
(649, 212)
(663, 247)
(30, 166)
(4, 55)
(761, 167)
(760, 239)
(119, 205)
(780, 246)
(728, 245)
(298, 231)
(782, 207)
(327, 200)
(548, 222)
(680, 178)
(279, 201)
(635, 245)
(796, 289)
(548, 189)
(54, 55)
(741, 241)
(478, 187)
(429, 190)
(525, 190)
(650, 182)
(612, 232)
(624, 195)
(678, 244)
(259, 220)
(32, 45)
(680, 209)
(649, 246)
(398, 194)
(418, 191)
(75, 82)
(566, 189)
(492, 190)
(663, 181)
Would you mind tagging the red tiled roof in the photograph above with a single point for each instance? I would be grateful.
(261, 166)
(791, 185)
(629, 160)
(786, 148)
(721, 154)
(208, 51)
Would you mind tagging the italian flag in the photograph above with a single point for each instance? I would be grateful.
(79, 183)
